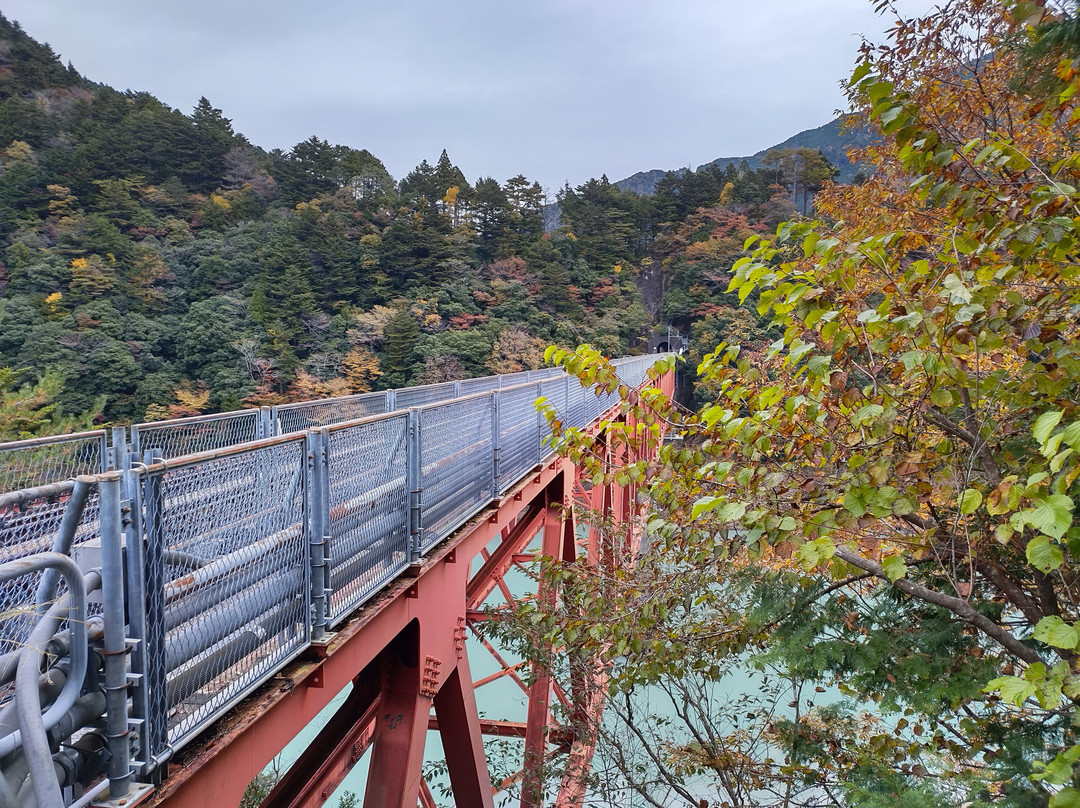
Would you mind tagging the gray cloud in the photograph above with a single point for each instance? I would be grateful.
(561, 90)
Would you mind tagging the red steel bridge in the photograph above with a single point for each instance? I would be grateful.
(179, 600)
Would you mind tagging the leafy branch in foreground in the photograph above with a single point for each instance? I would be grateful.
(911, 443)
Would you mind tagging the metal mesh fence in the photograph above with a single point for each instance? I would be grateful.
(289, 418)
(29, 523)
(369, 508)
(631, 370)
(226, 583)
(513, 379)
(481, 385)
(421, 396)
(554, 390)
(456, 464)
(203, 433)
(40, 461)
(575, 407)
(519, 433)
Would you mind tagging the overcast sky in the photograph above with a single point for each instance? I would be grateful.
(559, 90)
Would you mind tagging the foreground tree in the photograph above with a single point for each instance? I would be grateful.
(901, 468)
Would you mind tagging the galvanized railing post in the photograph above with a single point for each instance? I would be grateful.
(115, 652)
(135, 447)
(457, 389)
(414, 479)
(316, 454)
(266, 422)
(119, 447)
(136, 606)
(496, 439)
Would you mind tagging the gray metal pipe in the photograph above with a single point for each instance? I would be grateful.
(237, 579)
(65, 536)
(227, 564)
(27, 700)
(316, 447)
(178, 558)
(225, 618)
(72, 606)
(116, 695)
(50, 491)
(211, 663)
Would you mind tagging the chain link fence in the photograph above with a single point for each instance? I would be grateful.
(226, 578)
(457, 455)
(304, 415)
(41, 461)
(367, 508)
(202, 433)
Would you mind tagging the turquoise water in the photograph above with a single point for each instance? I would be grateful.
(504, 699)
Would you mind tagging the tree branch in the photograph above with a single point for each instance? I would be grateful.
(960, 608)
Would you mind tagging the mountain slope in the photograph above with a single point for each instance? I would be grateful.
(828, 139)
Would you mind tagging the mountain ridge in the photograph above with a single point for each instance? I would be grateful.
(829, 139)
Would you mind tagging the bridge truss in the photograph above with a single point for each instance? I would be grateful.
(208, 596)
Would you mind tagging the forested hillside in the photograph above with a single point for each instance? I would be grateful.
(156, 264)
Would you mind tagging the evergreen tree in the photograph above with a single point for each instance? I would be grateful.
(400, 338)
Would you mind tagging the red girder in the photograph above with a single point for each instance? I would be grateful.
(404, 653)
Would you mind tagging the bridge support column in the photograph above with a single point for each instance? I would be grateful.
(463, 744)
(558, 542)
(400, 728)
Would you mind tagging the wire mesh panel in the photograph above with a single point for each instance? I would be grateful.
(518, 433)
(540, 374)
(554, 391)
(592, 405)
(480, 385)
(456, 464)
(608, 400)
(421, 396)
(203, 433)
(29, 523)
(226, 581)
(369, 508)
(575, 407)
(631, 371)
(40, 461)
(290, 418)
(514, 379)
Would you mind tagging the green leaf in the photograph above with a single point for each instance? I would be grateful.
(894, 567)
(1072, 434)
(1012, 688)
(970, 500)
(1045, 424)
(725, 510)
(787, 524)
(965, 313)
(1052, 515)
(957, 290)
(1056, 632)
(941, 398)
(869, 412)
(1066, 798)
(1044, 555)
